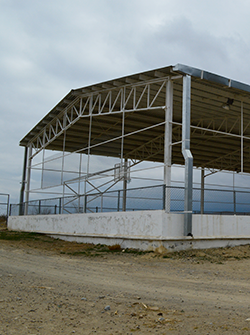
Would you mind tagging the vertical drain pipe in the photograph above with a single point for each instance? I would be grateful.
(186, 112)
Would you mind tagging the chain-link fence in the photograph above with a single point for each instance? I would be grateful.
(134, 199)
(207, 201)
(217, 201)
(4, 205)
(36, 207)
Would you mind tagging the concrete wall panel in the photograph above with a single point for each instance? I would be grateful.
(142, 229)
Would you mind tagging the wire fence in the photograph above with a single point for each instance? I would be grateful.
(216, 201)
(4, 205)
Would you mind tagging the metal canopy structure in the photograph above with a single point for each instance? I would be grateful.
(216, 133)
(174, 115)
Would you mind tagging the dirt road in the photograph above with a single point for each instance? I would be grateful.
(45, 290)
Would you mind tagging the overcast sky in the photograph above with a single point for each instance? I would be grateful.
(49, 47)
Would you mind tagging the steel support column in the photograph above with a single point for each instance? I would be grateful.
(28, 180)
(168, 144)
(186, 115)
(202, 189)
(125, 178)
(242, 138)
(88, 162)
(21, 200)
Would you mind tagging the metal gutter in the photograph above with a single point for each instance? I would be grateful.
(214, 78)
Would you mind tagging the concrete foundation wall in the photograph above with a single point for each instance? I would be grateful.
(142, 229)
(221, 225)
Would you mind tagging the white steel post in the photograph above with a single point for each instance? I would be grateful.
(124, 198)
(28, 180)
(63, 157)
(242, 140)
(62, 202)
(88, 163)
(43, 165)
(21, 207)
(202, 189)
(124, 162)
(168, 144)
(186, 116)
(79, 183)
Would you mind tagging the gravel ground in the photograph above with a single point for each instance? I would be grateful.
(50, 286)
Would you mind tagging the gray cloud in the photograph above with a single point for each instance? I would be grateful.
(49, 47)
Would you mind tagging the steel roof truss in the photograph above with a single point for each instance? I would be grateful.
(158, 92)
(94, 105)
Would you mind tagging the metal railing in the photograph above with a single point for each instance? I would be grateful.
(216, 201)
(4, 204)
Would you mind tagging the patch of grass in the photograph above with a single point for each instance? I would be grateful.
(18, 236)
(76, 253)
(46, 241)
(101, 249)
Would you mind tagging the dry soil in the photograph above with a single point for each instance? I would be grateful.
(49, 286)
